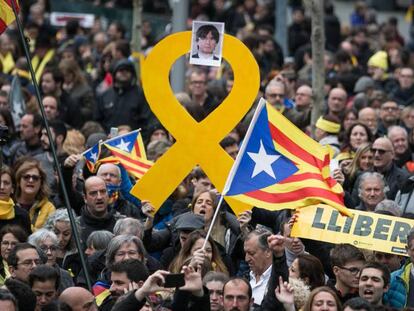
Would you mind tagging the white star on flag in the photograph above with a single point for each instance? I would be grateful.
(263, 161)
(94, 156)
(123, 145)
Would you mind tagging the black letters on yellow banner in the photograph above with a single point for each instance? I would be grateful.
(365, 230)
(384, 229)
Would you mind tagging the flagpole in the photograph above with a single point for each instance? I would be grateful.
(52, 146)
(210, 228)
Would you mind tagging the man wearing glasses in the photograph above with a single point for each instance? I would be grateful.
(22, 260)
(346, 262)
(384, 163)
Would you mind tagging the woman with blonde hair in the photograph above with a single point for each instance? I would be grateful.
(192, 254)
(32, 191)
(362, 162)
(74, 142)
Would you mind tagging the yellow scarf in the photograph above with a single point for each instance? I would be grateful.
(7, 61)
(6, 209)
(39, 65)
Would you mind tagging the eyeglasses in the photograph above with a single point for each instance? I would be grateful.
(46, 248)
(29, 177)
(389, 108)
(274, 95)
(30, 262)
(353, 270)
(380, 151)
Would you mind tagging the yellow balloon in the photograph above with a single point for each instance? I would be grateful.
(196, 142)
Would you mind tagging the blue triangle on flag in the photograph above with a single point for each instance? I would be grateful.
(125, 142)
(248, 177)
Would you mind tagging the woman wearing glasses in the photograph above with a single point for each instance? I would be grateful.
(47, 242)
(11, 214)
(10, 235)
(32, 191)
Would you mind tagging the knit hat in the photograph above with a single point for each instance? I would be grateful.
(379, 60)
(363, 84)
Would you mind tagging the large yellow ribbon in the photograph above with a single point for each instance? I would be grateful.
(196, 142)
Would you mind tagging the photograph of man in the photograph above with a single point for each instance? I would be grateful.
(206, 45)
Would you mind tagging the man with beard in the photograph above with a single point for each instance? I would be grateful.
(237, 295)
(124, 273)
(346, 261)
(58, 130)
(29, 144)
(389, 115)
(374, 281)
(124, 103)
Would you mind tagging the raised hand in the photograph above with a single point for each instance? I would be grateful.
(276, 243)
(198, 258)
(154, 283)
(244, 220)
(193, 280)
(284, 293)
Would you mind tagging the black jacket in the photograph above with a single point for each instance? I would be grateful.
(124, 104)
(89, 223)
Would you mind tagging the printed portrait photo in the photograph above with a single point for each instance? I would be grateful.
(206, 43)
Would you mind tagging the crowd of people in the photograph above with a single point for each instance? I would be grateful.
(140, 260)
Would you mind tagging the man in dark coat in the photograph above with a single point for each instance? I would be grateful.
(124, 103)
(95, 215)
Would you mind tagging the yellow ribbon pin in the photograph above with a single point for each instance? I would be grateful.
(196, 142)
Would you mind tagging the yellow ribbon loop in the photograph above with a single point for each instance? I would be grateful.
(196, 142)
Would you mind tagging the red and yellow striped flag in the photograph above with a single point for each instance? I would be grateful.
(280, 167)
(6, 13)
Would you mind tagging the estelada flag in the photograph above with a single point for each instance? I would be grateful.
(92, 156)
(280, 167)
(129, 150)
(6, 13)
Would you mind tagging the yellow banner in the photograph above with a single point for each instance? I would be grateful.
(365, 230)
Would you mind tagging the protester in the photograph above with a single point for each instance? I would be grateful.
(10, 235)
(11, 213)
(32, 191)
(91, 79)
(374, 281)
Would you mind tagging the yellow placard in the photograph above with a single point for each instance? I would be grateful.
(196, 142)
(366, 230)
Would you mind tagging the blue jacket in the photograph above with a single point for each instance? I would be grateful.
(396, 296)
